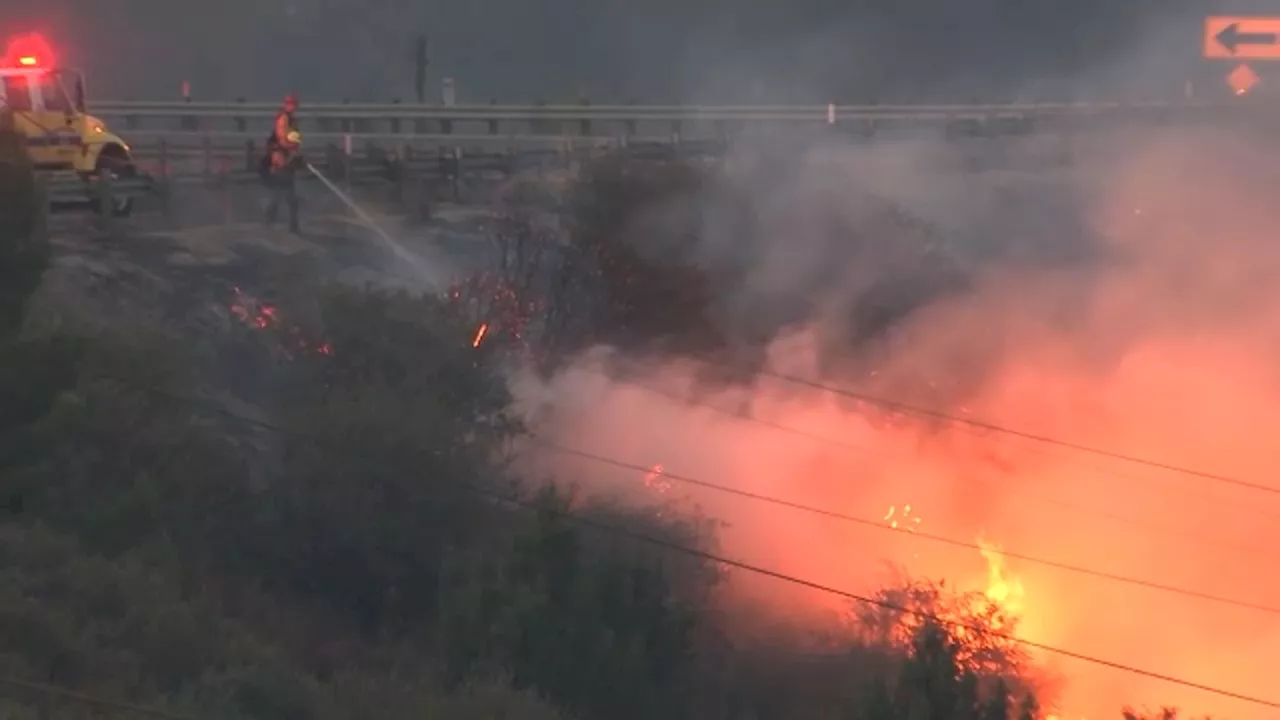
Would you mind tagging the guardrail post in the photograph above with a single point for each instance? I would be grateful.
(402, 172)
(250, 161)
(395, 119)
(456, 164)
(333, 162)
(629, 126)
(164, 179)
(189, 120)
(420, 199)
(242, 125)
(345, 123)
(228, 204)
(493, 124)
(347, 156)
(539, 125)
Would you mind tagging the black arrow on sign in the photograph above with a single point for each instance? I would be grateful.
(1230, 38)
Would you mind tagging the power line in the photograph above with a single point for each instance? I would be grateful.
(1124, 579)
(919, 614)
(88, 699)
(1045, 439)
(1049, 500)
(762, 571)
(1129, 580)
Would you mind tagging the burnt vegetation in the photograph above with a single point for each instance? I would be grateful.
(333, 537)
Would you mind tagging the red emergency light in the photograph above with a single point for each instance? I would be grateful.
(30, 50)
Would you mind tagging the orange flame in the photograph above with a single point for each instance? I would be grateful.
(480, 333)
(1004, 592)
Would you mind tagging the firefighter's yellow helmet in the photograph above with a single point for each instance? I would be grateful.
(294, 137)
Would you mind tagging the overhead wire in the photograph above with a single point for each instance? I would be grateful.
(1155, 528)
(903, 407)
(880, 525)
(970, 424)
(609, 528)
(895, 607)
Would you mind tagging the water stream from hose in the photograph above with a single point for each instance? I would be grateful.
(398, 249)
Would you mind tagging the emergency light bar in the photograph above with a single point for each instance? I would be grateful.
(28, 51)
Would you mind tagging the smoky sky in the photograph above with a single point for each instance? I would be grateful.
(656, 51)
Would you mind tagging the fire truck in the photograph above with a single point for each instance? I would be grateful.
(47, 106)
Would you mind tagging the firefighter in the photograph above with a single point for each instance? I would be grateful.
(281, 163)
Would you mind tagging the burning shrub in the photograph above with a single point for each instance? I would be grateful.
(394, 428)
(959, 647)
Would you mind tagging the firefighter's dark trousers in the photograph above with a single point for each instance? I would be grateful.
(282, 188)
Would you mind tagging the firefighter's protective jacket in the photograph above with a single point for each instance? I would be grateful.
(284, 144)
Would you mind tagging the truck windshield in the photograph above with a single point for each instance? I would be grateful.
(55, 96)
(21, 92)
(16, 92)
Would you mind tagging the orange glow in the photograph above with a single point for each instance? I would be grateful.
(1169, 355)
(27, 60)
(480, 333)
(654, 479)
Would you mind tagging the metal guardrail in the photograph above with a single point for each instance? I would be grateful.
(178, 153)
(815, 113)
(526, 124)
(414, 179)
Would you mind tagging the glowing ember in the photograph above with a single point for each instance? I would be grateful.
(251, 312)
(263, 316)
(487, 295)
(480, 333)
(654, 479)
(903, 519)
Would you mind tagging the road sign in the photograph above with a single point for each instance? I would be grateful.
(1253, 38)
(1242, 79)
